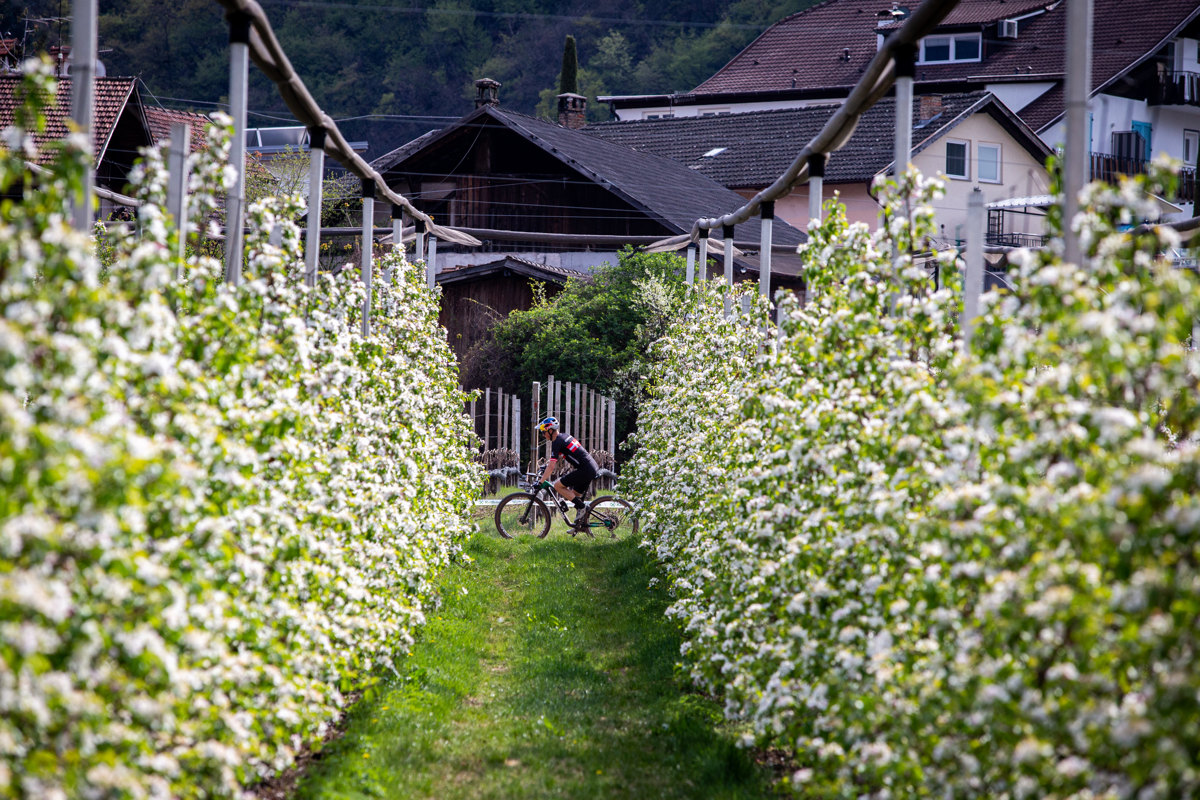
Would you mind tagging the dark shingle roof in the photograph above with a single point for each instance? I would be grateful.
(759, 146)
(112, 96)
(660, 187)
(805, 51)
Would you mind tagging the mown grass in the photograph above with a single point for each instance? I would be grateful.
(548, 672)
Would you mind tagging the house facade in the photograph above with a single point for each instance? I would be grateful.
(972, 138)
(553, 194)
(1145, 97)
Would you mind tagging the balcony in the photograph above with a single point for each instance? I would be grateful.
(1107, 168)
(1175, 88)
(1015, 239)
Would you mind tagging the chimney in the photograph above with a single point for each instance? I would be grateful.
(928, 107)
(487, 92)
(572, 110)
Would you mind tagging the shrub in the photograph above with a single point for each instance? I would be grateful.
(221, 508)
(937, 572)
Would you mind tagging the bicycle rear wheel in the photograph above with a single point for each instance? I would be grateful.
(522, 514)
(615, 514)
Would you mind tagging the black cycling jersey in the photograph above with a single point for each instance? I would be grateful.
(568, 447)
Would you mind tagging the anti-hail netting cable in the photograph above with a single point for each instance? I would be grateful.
(268, 56)
(877, 79)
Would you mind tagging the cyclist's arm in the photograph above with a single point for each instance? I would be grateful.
(549, 468)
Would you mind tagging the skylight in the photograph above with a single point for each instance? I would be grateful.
(716, 151)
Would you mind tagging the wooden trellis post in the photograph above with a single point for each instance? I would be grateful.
(535, 409)
(515, 427)
(487, 419)
(568, 406)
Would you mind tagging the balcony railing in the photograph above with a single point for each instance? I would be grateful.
(1016, 239)
(1176, 88)
(1107, 168)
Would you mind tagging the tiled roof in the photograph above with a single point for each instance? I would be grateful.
(751, 150)
(981, 12)
(161, 119)
(660, 187)
(112, 96)
(807, 50)
(521, 266)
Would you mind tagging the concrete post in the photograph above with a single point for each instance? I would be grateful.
(177, 182)
(690, 271)
(1075, 150)
(973, 281)
(235, 201)
(368, 246)
(316, 176)
(906, 70)
(702, 258)
(727, 235)
(431, 263)
(83, 101)
(764, 255)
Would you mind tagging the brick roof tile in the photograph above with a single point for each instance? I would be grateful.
(112, 96)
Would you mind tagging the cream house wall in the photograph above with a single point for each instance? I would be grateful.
(1021, 175)
(793, 209)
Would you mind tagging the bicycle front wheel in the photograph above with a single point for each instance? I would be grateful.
(522, 514)
(611, 515)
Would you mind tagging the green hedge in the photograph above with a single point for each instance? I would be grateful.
(938, 573)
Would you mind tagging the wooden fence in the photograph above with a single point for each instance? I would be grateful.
(497, 419)
(583, 413)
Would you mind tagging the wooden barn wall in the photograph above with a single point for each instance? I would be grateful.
(504, 182)
(470, 308)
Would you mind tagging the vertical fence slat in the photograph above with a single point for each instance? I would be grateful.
(568, 406)
(515, 427)
(690, 271)
(535, 413)
(239, 78)
(702, 258)
(487, 418)
(578, 408)
(474, 421)
(83, 99)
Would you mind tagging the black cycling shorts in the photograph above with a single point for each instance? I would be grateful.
(579, 479)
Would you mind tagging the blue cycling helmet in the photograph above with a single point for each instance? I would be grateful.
(548, 424)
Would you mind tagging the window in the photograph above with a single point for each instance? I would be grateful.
(956, 160)
(951, 49)
(1191, 143)
(987, 164)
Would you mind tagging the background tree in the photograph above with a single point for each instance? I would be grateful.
(568, 79)
(597, 331)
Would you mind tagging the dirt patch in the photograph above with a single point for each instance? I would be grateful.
(283, 785)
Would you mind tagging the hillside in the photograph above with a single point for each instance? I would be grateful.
(400, 65)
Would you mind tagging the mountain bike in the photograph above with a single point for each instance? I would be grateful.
(531, 511)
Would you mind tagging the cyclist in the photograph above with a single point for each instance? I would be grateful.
(574, 485)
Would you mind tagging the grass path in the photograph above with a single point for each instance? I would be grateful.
(548, 672)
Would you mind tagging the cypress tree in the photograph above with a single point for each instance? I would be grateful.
(569, 82)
